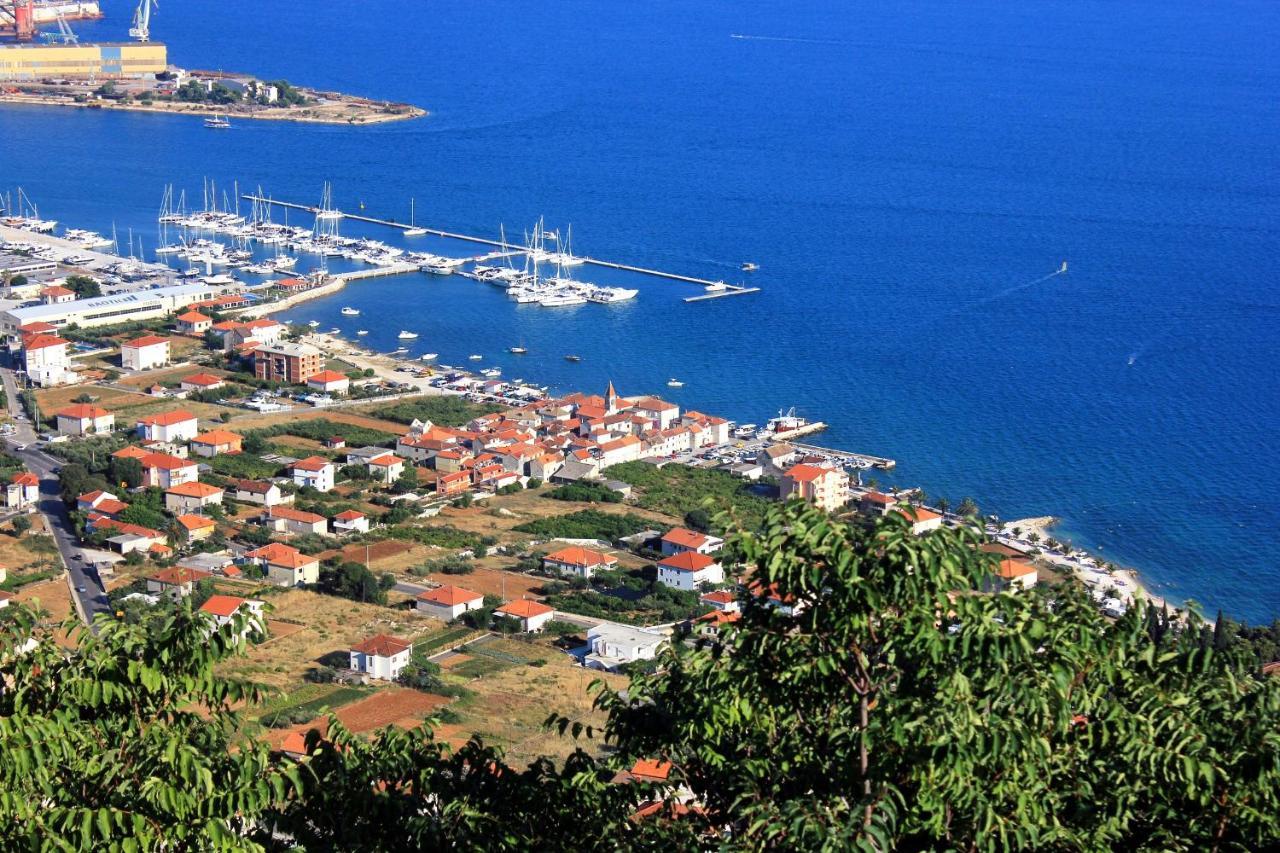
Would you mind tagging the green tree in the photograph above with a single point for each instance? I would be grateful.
(967, 508)
(879, 709)
(354, 581)
(84, 286)
(21, 524)
(124, 469)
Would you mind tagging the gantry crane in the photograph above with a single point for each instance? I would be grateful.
(141, 29)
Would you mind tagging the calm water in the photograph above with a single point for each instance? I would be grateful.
(900, 174)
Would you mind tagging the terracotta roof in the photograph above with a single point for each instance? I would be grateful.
(879, 498)
(918, 514)
(25, 478)
(277, 554)
(131, 452)
(524, 608)
(449, 596)
(806, 473)
(653, 404)
(44, 342)
(576, 555)
(177, 575)
(193, 317)
(382, 646)
(144, 341)
(311, 463)
(290, 514)
(685, 538)
(328, 376)
(82, 411)
(196, 522)
(687, 561)
(386, 460)
(202, 379)
(90, 497)
(226, 325)
(55, 290)
(651, 770)
(1010, 569)
(193, 490)
(223, 605)
(718, 596)
(111, 506)
(254, 487)
(716, 618)
(177, 416)
(349, 515)
(218, 436)
(165, 462)
(37, 327)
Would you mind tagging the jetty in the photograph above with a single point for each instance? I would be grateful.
(508, 249)
(875, 461)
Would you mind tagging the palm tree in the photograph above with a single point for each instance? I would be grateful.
(1033, 537)
(943, 505)
(968, 507)
(1017, 531)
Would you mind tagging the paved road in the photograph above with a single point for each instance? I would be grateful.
(93, 600)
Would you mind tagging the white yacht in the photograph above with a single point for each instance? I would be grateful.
(475, 357)
(429, 356)
(362, 332)
(437, 269)
(350, 312)
(415, 232)
(217, 123)
(612, 294)
(492, 372)
(315, 324)
(715, 287)
(517, 350)
(562, 298)
(674, 383)
(407, 336)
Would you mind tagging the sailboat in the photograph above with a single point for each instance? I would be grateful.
(413, 230)
(1062, 269)
(217, 122)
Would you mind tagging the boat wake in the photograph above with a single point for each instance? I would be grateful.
(794, 39)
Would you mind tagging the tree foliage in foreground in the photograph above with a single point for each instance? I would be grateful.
(887, 708)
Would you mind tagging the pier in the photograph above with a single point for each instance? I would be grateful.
(876, 461)
(506, 249)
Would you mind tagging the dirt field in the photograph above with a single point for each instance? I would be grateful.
(376, 552)
(396, 706)
(491, 581)
(337, 416)
(127, 405)
(527, 506)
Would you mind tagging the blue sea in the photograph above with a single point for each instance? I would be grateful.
(905, 174)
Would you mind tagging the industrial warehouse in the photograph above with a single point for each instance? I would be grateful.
(98, 61)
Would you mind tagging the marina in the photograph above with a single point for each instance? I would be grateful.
(715, 289)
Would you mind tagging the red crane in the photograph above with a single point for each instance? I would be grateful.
(17, 20)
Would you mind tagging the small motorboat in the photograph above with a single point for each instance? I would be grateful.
(362, 332)
(475, 357)
(674, 383)
(407, 336)
(750, 267)
(437, 269)
(315, 324)
(517, 350)
(492, 372)
(217, 123)
(573, 358)
(350, 312)
(335, 331)
(430, 356)
(400, 350)
(716, 287)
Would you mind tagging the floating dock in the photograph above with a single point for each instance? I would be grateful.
(506, 249)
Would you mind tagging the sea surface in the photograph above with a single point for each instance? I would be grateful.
(905, 174)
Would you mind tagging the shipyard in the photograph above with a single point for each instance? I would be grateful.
(43, 63)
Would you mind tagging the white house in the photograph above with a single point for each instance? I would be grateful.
(22, 490)
(679, 539)
(922, 520)
(223, 608)
(176, 426)
(144, 353)
(723, 600)
(613, 646)
(191, 497)
(531, 615)
(381, 657)
(285, 519)
(84, 419)
(448, 602)
(167, 471)
(329, 382)
(261, 492)
(386, 468)
(576, 560)
(314, 471)
(286, 565)
(175, 582)
(350, 521)
(1012, 575)
(689, 569)
(44, 358)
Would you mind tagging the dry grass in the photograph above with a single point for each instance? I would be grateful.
(337, 416)
(127, 405)
(321, 625)
(509, 706)
(489, 581)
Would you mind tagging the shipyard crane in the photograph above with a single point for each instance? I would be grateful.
(141, 29)
(64, 33)
(17, 18)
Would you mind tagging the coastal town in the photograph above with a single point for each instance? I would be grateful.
(408, 533)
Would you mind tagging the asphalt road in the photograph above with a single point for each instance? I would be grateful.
(93, 599)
